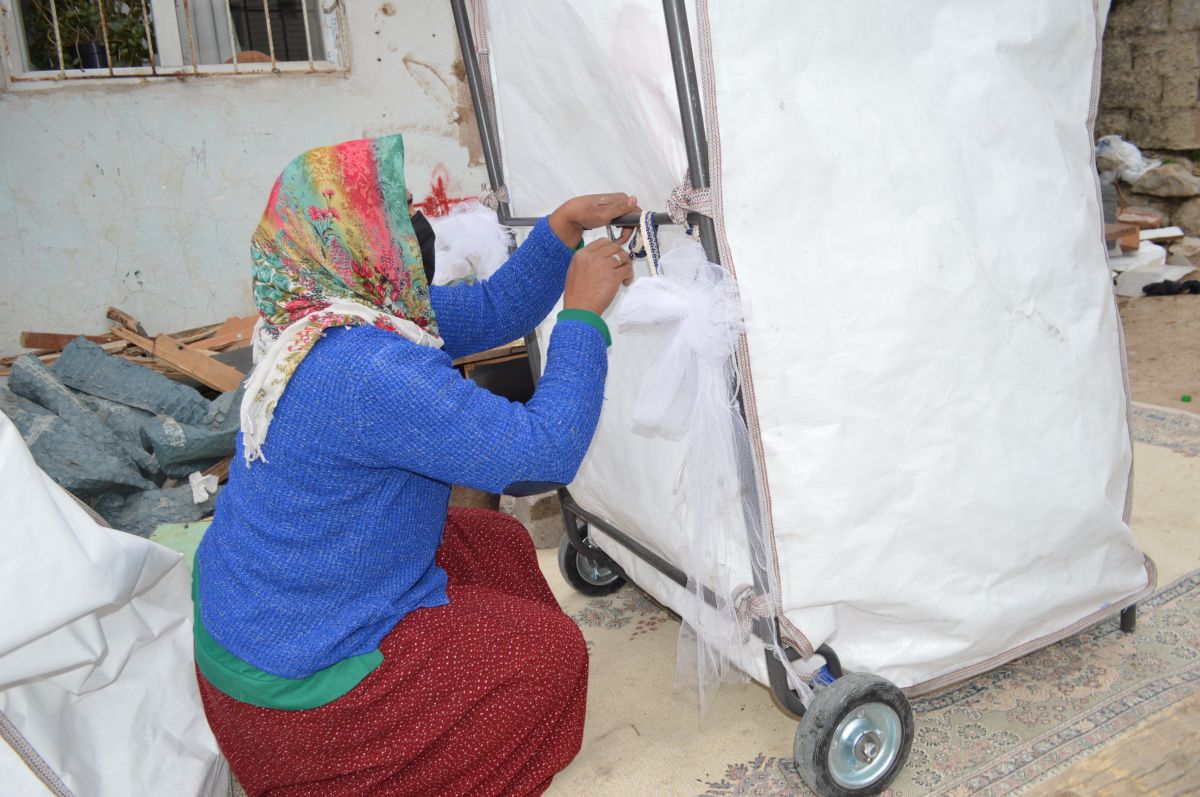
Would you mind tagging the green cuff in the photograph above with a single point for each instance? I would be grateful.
(589, 318)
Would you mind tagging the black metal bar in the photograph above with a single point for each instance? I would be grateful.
(249, 44)
(832, 662)
(691, 114)
(466, 43)
(287, 51)
(1129, 619)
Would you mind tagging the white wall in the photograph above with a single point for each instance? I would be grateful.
(144, 195)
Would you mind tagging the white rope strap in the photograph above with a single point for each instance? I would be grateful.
(494, 198)
(686, 198)
(749, 606)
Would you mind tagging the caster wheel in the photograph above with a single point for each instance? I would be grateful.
(854, 737)
(585, 573)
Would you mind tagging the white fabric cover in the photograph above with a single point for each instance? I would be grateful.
(911, 210)
(95, 649)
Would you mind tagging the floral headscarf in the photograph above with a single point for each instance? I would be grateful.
(335, 247)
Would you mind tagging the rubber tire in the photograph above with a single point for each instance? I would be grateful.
(829, 706)
(568, 565)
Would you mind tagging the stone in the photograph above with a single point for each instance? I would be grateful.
(541, 515)
(85, 367)
(1144, 16)
(1185, 15)
(1187, 216)
(1188, 249)
(1169, 180)
(31, 379)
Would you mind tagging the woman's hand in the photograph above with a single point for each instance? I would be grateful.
(597, 272)
(587, 212)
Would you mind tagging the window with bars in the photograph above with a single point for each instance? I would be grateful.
(71, 39)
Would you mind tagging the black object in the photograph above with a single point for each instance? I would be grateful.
(1171, 288)
(92, 55)
(831, 720)
(1129, 619)
(426, 238)
(586, 574)
(511, 379)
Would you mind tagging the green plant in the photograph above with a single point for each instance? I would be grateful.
(78, 24)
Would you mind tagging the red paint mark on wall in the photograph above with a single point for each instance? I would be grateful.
(438, 203)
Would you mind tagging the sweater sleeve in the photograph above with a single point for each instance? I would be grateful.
(418, 414)
(475, 318)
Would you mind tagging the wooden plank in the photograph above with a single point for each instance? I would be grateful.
(203, 369)
(49, 358)
(220, 470)
(234, 333)
(125, 320)
(506, 351)
(57, 341)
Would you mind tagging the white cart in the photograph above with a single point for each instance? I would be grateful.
(932, 368)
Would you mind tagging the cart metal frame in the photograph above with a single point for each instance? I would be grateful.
(695, 140)
(691, 114)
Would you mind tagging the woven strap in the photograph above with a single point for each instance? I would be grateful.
(32, 759)
(686, 198)
(749, 606)
(493, 199)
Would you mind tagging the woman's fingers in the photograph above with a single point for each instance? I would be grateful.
(625, 273)
(623, 238)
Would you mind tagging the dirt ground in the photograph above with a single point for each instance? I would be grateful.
(1162, 339)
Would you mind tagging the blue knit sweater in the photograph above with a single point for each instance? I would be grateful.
(317, 553)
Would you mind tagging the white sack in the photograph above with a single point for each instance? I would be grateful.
(908, 200)
(95, 648)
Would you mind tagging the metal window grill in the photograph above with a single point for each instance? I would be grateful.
(53, 40)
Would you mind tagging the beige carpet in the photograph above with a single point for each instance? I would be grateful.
(996, 735)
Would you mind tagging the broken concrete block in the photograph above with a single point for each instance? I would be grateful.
(176, 444)
(141, 513)
(75, 462)
(84, 366)
(1169, 180)
(33, 380)
(541, 515)
(1188, 249)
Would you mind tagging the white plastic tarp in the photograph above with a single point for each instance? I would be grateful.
(96, 670)
(907, 196)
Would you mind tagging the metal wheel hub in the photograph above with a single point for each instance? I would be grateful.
(865, 745)
(591, 570)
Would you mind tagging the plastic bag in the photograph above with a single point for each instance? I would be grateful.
(1125, 160)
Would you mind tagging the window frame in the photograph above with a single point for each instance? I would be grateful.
(169, 57)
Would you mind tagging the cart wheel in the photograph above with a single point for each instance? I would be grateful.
(585, 573)
(854, 737)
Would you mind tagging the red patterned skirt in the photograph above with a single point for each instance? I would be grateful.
(483, 696)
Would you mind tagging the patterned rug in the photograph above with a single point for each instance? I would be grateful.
(998, 734)
(1007, 728)
(1177, 430)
